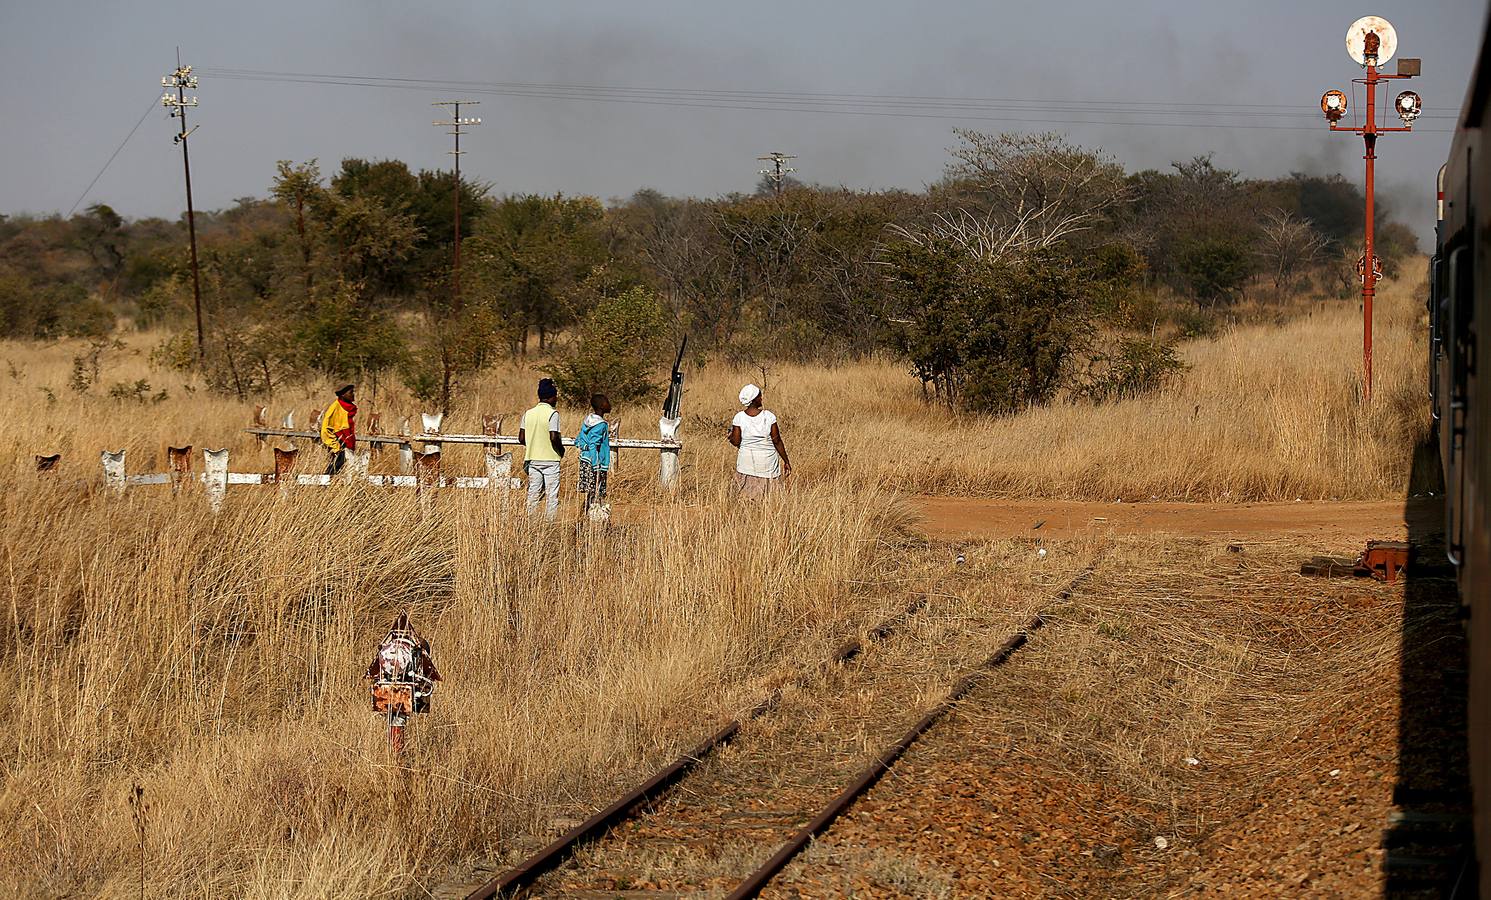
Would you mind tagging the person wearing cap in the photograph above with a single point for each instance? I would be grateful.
(543, 448)
(339, 428)
(761, 457)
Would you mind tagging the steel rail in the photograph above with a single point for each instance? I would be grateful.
(555, 854)
(509, 440)
(758, 879)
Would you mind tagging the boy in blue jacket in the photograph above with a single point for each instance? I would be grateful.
(594, 444)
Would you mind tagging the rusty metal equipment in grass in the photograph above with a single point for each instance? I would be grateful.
(1382, 560)
(403, 677)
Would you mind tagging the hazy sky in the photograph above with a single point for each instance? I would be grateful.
(78, 75)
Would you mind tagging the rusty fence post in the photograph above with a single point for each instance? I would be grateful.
(374, 421)
(179, 461)
(284, 467)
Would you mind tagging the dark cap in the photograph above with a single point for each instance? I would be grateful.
(546, 389)
(344, 390)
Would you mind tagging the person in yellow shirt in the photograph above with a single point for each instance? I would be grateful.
(543, 448)
(339, 428)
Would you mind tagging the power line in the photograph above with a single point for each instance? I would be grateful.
(786, 96)
(803, 106)
(183, 80)
(777, 172)
(456, 123)
(110, 160)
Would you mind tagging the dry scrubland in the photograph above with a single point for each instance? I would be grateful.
(1265, 412)
(215, 660)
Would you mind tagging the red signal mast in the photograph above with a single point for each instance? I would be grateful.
(1371, 41)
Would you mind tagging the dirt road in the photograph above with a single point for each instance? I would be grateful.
(955, 518)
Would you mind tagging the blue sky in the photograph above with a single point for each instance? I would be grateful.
(78, 76)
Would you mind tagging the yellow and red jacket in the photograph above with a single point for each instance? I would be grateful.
(338, 427)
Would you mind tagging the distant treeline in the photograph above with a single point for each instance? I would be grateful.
(351, 275)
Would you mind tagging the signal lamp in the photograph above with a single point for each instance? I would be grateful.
(1409, 106)
(1333, 104)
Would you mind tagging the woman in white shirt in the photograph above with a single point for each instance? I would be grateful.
(761, 461)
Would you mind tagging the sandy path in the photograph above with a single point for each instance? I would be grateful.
(954, 518)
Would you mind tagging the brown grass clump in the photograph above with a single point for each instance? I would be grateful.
(216, 662)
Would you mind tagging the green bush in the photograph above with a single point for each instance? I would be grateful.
(1132, 369)
(989, 335)
(618, 350)
(1215, 269)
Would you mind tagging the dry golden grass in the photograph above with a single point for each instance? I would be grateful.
(216, 662)
(1265, 412)
(215, 659)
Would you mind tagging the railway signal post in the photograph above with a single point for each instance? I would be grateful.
(1371, 42)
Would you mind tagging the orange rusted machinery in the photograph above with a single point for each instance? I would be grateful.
(404, 677)
(1382, 560)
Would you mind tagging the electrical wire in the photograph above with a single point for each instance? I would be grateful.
(589, 91)
(153, 101)
(827, 105)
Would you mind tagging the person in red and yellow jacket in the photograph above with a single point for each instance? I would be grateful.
(339, 428)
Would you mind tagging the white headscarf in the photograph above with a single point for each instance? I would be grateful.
(748, 393)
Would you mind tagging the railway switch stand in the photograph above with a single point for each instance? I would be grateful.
(404, 676)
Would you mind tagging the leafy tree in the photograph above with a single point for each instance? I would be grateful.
(529, 253)
(299, 188)
(344, 337)
(618, 348)
(989, 335)
(445, 346)
(1214, 269)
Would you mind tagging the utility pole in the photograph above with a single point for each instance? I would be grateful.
(1371, 41)
(456, 123)
(183, 80)
(778, 172)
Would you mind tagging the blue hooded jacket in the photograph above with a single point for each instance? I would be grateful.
(594, 442)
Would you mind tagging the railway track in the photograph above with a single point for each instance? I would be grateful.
(562, 848)
(694, 812)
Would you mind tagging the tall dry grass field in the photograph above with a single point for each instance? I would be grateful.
(215, 660)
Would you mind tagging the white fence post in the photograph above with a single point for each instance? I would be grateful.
(431, 423)
(667, 465)
(356, 466)
(215, 476)
(406, 450)
(113, 464)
